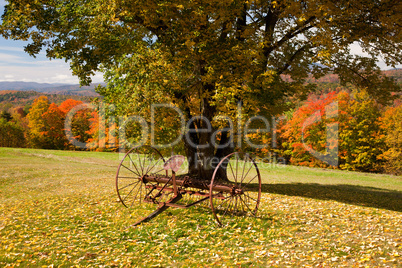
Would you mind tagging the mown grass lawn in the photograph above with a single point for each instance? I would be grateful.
(60, 208)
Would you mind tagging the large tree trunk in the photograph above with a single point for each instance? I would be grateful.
(202, 162)
(201, 148)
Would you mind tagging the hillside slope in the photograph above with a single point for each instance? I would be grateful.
(61, 89)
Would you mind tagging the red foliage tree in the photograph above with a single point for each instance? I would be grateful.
(69, 104)
(53, 132)
(81, 121)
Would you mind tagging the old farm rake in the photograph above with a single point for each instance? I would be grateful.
(146, 181)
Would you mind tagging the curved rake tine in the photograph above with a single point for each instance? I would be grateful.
(151, 216)
(157, 211)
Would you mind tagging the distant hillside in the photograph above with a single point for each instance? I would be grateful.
(13, 98)
(334, 78)
(395, 73)
(18, 85)
(330, 81)
(61, 89)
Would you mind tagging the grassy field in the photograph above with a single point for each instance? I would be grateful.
(60, 208)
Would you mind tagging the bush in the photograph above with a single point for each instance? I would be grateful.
(11, 134)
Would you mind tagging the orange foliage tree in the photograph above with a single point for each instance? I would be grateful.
(46, 124)
(81, 121)
(359, 139)
(53, 132)
(299, 135)
(104, 135)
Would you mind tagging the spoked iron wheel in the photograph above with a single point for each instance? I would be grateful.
(132, 188)
(239, 173)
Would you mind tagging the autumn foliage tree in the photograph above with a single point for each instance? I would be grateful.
(80, 123)
(207, 57)
(391, 125)
(36, 123)
(53, 132)
(103, 134)
(298, 135)
(360, 138)
(11, 134)
(47, 124)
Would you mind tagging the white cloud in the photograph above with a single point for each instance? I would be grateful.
(9, 58)
(357, 50)
(46, 73)
(16, 65)
(16, 49)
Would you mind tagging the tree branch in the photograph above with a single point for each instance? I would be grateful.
(241, 24)
(294, 32)
(293, 57)
(158, 30)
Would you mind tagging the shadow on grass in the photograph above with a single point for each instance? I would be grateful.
(350, 194)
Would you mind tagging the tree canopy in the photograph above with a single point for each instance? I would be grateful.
(207, 56)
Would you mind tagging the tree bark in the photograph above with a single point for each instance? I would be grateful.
(202, 162)
(202, 149)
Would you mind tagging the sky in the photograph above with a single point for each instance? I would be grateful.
(16, 65)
